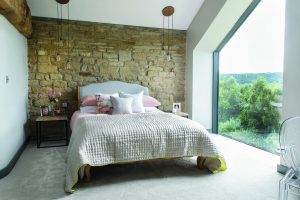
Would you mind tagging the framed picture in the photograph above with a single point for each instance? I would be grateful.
(176, 107)
(44, 110)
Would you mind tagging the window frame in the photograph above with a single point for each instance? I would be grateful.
(216, 60)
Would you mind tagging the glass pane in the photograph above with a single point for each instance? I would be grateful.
(250, 87)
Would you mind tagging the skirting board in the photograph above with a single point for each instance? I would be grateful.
(6, 170)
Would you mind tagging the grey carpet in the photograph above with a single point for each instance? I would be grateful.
(251, 175)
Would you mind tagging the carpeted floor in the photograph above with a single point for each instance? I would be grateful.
(251, 175)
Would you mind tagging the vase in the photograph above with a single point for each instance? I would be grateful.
(51, 109)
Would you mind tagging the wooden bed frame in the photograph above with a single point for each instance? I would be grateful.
(202, 163)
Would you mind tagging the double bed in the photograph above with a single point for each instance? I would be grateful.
(103, 139)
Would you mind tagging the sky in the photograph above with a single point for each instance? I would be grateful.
(258, 46)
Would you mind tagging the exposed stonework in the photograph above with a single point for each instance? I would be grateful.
(102, 52)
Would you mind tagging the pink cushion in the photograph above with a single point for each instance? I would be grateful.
(150, 102)
(89, 101)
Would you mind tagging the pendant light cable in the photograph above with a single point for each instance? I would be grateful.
(168, 11)
(168, 36)
(61, 24)
(57, 20)
(163, 36)
(68, 31)
(171, 41)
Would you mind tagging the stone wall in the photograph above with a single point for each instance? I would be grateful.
(102, 52)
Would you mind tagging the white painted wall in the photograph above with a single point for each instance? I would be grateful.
(14, 94)
(194, 95)
(202, 76)
(212, 23)
(291, 75)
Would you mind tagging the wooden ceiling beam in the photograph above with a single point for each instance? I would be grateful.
(18, 14)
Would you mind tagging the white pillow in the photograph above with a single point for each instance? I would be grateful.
(137, 103)
(121, 105)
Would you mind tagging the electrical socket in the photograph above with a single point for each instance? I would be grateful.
(64, 104)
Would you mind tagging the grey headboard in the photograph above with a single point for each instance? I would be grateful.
(110, 87)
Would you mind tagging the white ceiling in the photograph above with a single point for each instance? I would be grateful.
(145, 13)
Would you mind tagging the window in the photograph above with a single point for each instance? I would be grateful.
(248, 67)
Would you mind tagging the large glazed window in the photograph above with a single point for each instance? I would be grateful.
(250, 67)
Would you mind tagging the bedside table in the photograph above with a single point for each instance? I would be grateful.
(46, 119)
(182, 114)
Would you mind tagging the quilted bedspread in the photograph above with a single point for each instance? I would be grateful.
(108, 139)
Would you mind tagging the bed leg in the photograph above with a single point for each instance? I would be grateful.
(200, 162)
(87, 173)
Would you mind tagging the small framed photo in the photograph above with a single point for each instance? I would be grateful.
(176, 107)
(44, 110)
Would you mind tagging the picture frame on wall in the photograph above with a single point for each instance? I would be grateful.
(44, 111)
(176, 107)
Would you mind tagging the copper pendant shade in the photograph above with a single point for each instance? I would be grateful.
(168, 11)
(62, 1)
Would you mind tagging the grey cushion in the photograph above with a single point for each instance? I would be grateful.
(121, 105)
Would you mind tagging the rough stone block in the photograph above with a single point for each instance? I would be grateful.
(85, 53)
(42, 52)
(40, 76)
(124, 55)
(72, 84)
(109, 70)
(31, 76)
(163, 74)
(156, 68)
(101, 62)
(45, 83)
(55, 76)
(97, 54)
(32, 60)
(45, 68)
(151, 73)
(88, 79)
(33, 83)
(139, 56)
(110, 55)
(89, 61)
(47, 77)
(116, 64)
(131, 64)
(68, 77)
(60, 84)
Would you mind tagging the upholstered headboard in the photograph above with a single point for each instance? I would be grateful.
(110, 87)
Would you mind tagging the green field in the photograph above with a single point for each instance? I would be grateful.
(268, 142)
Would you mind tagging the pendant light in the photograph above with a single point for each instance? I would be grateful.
(167, 36)
(60, 41)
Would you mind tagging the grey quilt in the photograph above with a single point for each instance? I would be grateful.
(107, 139)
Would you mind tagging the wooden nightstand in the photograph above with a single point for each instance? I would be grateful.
(46, 119)
(182, 114)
